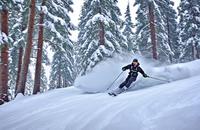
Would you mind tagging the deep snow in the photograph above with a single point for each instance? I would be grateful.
(168, 106)
(105, 73)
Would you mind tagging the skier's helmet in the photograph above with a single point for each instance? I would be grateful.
(135, 60)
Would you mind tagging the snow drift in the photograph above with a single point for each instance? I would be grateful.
(105, 73)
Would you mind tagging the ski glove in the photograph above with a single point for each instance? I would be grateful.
(145, 75)
(123, 68)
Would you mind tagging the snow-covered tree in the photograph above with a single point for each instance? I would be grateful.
(128, 31)
(172, 30)
(17, 33)
(61, 74)
(152, 31)
(189, 27)
(38, 66)
(58, 26)
(99, 35)
(28, 48)
(4, 44)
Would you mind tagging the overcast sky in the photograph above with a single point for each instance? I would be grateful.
(122, 5)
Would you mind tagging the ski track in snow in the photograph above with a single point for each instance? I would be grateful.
(170, 106)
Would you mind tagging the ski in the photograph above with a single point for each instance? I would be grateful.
(112, 94)
(116, 92)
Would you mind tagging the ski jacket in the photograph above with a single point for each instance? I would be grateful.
(134, 70)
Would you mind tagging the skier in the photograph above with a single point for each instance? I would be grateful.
(133, 73)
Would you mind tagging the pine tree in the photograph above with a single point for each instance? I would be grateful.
(39, 51)
(172, 31)
(17, 28)
(168, 34)
(45, 62)
(128, 31)
(151, 33)
(14, 69)
(26, 59)
(60, 26)
(4, 52)
(189, 26)
(99, 35)
(61, 74)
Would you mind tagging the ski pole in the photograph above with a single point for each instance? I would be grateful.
(114, 80)
(159, 79)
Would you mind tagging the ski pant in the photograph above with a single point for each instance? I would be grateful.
(128, 81)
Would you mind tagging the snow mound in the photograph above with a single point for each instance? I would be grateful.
(171, 73)
(103, 75)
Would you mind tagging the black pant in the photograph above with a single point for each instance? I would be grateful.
(128, 81)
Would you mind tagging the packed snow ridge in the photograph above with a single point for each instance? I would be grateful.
(150, 105)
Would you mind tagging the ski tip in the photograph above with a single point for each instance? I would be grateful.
(112, 94)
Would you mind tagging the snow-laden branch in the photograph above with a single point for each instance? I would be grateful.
(3, 38)
(99, 17)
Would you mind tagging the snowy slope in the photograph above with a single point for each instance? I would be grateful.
(171, 106)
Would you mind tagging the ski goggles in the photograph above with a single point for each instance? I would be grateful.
(135, 62)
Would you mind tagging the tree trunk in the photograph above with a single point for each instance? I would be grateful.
(101, 31)
(101, 34)
(4, 58)
(153, 31)
(169, 40)
(59, 74)
(197, 51)
(26, 59)
(19, 67)
(36, 88)
(59, 78)
(193, 52)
